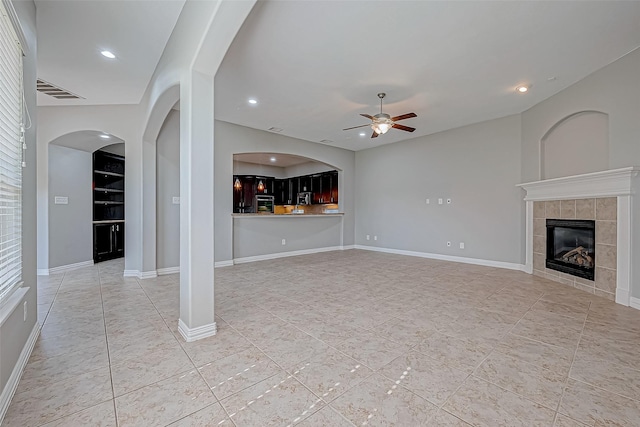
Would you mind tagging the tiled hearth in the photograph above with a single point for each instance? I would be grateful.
(604, 212)
(611, 199)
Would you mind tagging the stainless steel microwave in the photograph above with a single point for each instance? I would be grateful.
(304, 198)
(264, 204)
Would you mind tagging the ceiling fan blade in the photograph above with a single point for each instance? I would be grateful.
(404, 116)
(356, 127)
(374, 135)
(367, 116)
(401, 127)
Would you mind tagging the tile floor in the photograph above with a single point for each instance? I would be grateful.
(333, 339)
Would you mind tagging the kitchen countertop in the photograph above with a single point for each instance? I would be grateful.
(262, 215)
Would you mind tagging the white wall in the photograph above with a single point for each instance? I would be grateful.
(243, 168)
(476, 166)
(167, 187)
(70, 225)
(308, 168)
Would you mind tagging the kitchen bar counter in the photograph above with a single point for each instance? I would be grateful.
(263, 215)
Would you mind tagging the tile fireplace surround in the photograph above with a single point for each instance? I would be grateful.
(611, 199)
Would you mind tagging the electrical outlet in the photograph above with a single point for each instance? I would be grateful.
(448, 201)
(368, 237)
(448, 243)
(375, 237)
(439, 201)
(284, 242)
(461, 245)
(24, 307)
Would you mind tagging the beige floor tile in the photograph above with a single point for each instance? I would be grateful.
(371, 350)
(445, 419)
(278, 400)
(224, 343)
(137, 373)
(615, 351)
(429, 378)
(563, 421)
(238, 371)
(546, 333)
(292, 347)
(377, 403)
(607, 375)
(57, 400)
(164, 402)
(483, 404)
(329, 373)
(404, 332)
(590, 406)
(463, 354)
(324, 418)
(102, 415)
(533, 382)
(213, 415)
(554, 358)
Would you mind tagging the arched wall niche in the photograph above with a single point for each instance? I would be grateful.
(575, 145)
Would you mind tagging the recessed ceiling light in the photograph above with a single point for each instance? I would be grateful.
(523, 88)
(273, 159)
(108, 54)
(363, 134)
(105, 136)
(253, 101)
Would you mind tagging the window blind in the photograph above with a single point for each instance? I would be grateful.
(11, 150)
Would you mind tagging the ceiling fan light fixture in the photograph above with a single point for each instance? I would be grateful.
(381, 128)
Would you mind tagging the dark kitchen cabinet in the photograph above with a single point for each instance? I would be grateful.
(316, 189)
(108, 206)
(243, 196)
(294, 189)
(108, 241)
(333, 189)
(281, 192)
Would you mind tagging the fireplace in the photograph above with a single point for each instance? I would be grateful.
(571, 247)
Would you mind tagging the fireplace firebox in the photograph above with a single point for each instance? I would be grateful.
(571, 247)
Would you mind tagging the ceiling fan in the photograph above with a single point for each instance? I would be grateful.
(382, 122)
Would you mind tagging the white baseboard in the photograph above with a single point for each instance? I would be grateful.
(284, 254)
(475, 261)
(168, 270)
(228, 263)
(148, 275)
(131, 273)
(347, 247)
(12, 384)
(198, 333)
(63, 268)
(635, 303)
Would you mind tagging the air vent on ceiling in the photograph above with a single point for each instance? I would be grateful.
(53, 90)
(275, 129)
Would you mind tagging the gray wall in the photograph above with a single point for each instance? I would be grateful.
(14, 332)
(168, 187)
(230, 139)
(255, 236)
(613, 90)
(70, 226)
(476, 166)
(243, 168)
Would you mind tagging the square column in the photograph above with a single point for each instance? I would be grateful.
(196, 207)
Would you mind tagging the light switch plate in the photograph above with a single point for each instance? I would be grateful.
(61, 200)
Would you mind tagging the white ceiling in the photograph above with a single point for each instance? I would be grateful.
(282, 160)
(87, 140)
(71, 35)
(314, 66)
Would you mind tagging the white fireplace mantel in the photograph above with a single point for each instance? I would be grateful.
(621, 183)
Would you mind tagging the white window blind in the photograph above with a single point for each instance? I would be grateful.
(11, 150)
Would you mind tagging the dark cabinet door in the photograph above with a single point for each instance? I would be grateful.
(304, 183)
(281, 192)
(326, 188)
(118, 240)
(294, 189)
(333, 192)
(102, 242)
(316, 189)
(108, 241)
